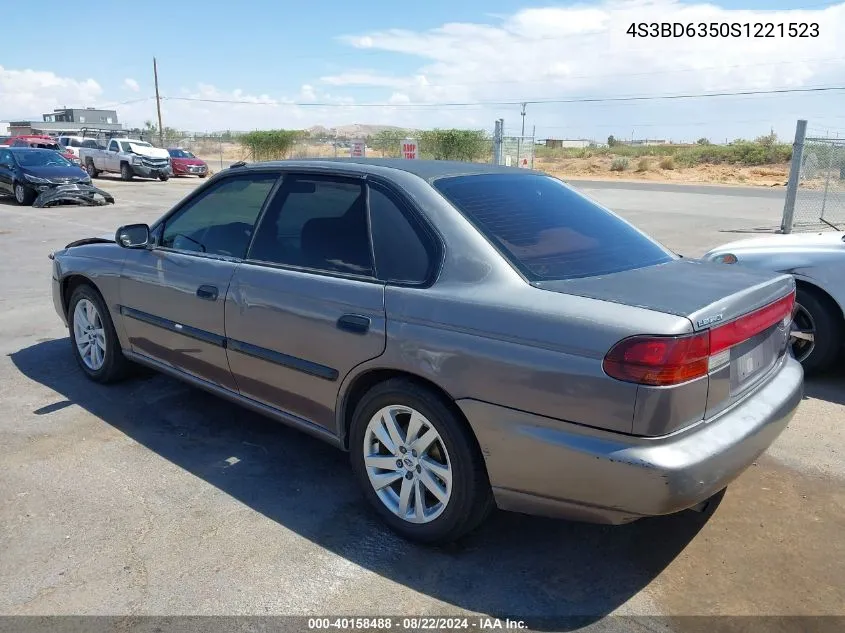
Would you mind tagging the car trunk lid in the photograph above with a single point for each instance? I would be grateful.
(744, 313)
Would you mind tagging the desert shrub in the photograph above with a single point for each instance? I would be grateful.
(467, 145)
(619, 164)
(643, 165)
(270, 144)
(667, 163)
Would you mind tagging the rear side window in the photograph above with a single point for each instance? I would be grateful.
(547, 230)
(398, 241)
(317, 222)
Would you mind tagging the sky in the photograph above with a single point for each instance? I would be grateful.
(261, 64)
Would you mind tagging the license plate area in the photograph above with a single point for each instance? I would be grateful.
(751, 359)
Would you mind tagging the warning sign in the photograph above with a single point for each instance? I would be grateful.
(357, 149)
(409, 149)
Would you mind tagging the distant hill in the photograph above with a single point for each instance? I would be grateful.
(356, 130)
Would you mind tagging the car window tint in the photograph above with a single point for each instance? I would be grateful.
(6, 157)
(316, 222)
(113, 146)
(548, 230)
(220, 220)
(400, 252)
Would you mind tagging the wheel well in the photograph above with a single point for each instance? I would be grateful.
(821, 293)
(366, 381)
(71, 283)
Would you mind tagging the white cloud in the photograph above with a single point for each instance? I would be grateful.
(534, 54)
(566, 52)
(30, 93)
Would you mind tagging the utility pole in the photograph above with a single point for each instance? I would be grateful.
(523, 118)
(158, 105)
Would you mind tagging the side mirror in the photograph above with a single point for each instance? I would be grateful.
(133, 236)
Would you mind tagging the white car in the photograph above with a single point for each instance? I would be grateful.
(817, 261)
(73, 143)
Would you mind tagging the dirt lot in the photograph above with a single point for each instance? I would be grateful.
(125, 500)
(598, 168)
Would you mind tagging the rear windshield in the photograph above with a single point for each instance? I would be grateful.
(547, 230)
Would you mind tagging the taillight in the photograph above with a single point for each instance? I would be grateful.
(670, 360)
(659, 360)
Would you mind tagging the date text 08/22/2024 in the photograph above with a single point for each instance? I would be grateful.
(724, 29)
(435, 623)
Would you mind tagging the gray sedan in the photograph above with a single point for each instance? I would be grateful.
(817, 260)
(473, 336)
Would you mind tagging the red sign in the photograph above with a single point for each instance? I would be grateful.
(357, 149)
(410, 149)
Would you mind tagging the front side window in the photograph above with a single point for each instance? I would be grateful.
(113, 147)
(316, 222)
(547, 230)
(221, 219)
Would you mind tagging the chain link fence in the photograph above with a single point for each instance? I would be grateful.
(815, 197)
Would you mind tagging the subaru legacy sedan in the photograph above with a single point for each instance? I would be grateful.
(474, 336)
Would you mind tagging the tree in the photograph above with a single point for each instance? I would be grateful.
(453, 144)
(388, 141)
(270, 144)
(611, 140)
(703, 141)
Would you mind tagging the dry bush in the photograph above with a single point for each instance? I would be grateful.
(643, 165)
(667, 163)
(619, 164)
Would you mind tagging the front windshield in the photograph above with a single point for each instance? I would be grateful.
(180, 153)
(41, 158)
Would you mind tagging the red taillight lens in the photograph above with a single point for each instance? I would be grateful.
(745, 327)
(670, 360)
(659, 360)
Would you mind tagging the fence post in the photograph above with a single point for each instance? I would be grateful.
(794, 177)
(498, 132)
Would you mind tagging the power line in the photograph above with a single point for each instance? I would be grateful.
(326, 104)
(411, 84)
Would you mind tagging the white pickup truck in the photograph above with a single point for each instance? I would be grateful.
(127, 157)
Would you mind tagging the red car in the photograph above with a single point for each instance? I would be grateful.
(42, 142)
(186, 164)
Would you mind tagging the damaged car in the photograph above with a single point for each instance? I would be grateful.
(43, 178)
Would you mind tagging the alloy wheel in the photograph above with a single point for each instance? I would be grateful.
(802, 333)
(20, 194)
(89, 334)
(407, 464)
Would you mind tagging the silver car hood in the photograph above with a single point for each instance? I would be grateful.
(785, 243)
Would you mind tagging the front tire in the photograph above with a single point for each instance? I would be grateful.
(24, 196)
(816, 336)
(418, 463)
(163, 178)
(92, 171)
(126, 171)
(93, 337)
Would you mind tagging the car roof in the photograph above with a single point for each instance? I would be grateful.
(426, 169)
(30, 149)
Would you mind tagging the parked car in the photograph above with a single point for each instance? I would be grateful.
(472, 335)
(42, 142)
(74, 143)
(186, 164)
(42, 177)
(127, 157)
(817, 260)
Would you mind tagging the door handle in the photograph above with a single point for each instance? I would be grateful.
(354, 323)
(207, 292)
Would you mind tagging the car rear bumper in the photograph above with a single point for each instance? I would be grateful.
(543, 466)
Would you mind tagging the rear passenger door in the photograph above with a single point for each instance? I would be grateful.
(305, 307)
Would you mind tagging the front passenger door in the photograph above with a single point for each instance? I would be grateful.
(173, 294)
(6, 171)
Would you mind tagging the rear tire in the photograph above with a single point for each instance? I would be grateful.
(825, 318)
(24, 196)
(201, 175)
(126, 171)
(92, 171)
(453, 455)
(108, 364)
(163, 178)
